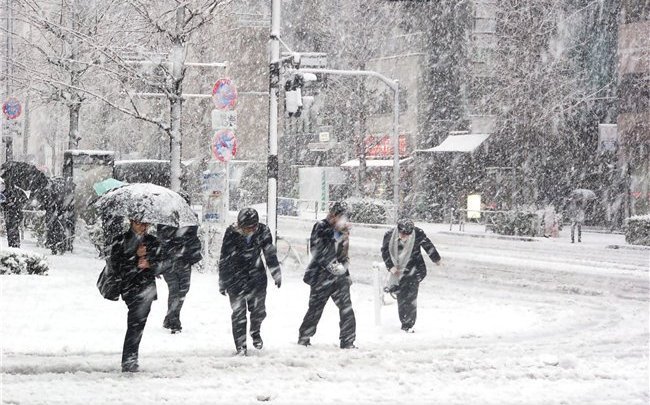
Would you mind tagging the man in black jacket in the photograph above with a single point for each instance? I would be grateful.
(134, 256)
(242, 274)
(182, 249)
(328, 276)
(401, 251)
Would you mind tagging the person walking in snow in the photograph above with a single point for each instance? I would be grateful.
(577, 217)
(182, 248)
(134, 257)
(328, 276)
(401, 252)
(242, 275)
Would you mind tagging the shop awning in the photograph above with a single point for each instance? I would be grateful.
(459, 143)
(375, 162)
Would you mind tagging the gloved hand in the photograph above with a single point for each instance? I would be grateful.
(222, 291)
(278, 282)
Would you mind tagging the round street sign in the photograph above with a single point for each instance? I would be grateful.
(12, 108)
(224, 145)
(224, 94)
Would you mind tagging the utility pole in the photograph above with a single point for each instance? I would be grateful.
(9, 32)
(274, 87)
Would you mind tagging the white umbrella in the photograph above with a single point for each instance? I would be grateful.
(583, 194)
(148, 203)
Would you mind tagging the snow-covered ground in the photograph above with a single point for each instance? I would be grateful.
(499, 322)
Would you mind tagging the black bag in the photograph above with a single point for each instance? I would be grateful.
(109, 284)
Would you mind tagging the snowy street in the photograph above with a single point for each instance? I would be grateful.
(499, 322)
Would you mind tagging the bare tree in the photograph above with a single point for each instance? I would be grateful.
(56, 60)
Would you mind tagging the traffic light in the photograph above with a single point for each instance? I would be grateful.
(293, 95)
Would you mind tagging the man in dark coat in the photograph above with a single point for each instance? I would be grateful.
(328, 276)
(135, 256)
(401, 251)
(242, 274)
(182, 248)
(55, 221)
(13, 211)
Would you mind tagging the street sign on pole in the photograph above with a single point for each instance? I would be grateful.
(12, 108)
(224, 95)
(224, 119)
(224, 145)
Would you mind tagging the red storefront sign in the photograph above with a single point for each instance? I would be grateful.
(381, 146)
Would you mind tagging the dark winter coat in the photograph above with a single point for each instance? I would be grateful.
(179, 245)
(241, 269)
(324, 250)
(124, 262)
(415, 268)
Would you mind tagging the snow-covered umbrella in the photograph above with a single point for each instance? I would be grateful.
(148, 203)
(583, 194)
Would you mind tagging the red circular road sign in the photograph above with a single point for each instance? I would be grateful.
(224, 145)
(224, 94)
(12, 108)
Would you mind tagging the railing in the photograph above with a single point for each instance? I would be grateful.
(487, 218)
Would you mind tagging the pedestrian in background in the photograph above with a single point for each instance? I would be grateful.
(401, 251)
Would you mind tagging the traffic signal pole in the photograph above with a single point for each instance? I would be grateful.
(394, 85)
(274, 88)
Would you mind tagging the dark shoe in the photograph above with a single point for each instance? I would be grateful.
(242, 351)
(166, 324)
(176, 330)
(304, 342)
(408, 330)
(348, 346)
(130, 368)
(258, 343)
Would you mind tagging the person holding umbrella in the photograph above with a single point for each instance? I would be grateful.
(401, 251)
(242, 275)
(134, 257)
(578, 201)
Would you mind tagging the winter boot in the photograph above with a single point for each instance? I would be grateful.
(348, 345)
(242, 351)
(258, 343)
(304, 342)
(131, 367)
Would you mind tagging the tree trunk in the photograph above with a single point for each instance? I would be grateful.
(176, 102)
(75, 102)
(73, 131)
(362, 133)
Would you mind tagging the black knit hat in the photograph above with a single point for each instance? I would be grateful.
(247, 217)
(338, 208)
(405, 225)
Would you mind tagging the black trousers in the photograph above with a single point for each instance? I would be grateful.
(178, 282)
(253, 301)
(339, 290)
(13, 219)
(407, 302)
(139, 304)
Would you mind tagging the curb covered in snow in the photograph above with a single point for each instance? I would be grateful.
(629, 247)
(489, 235)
